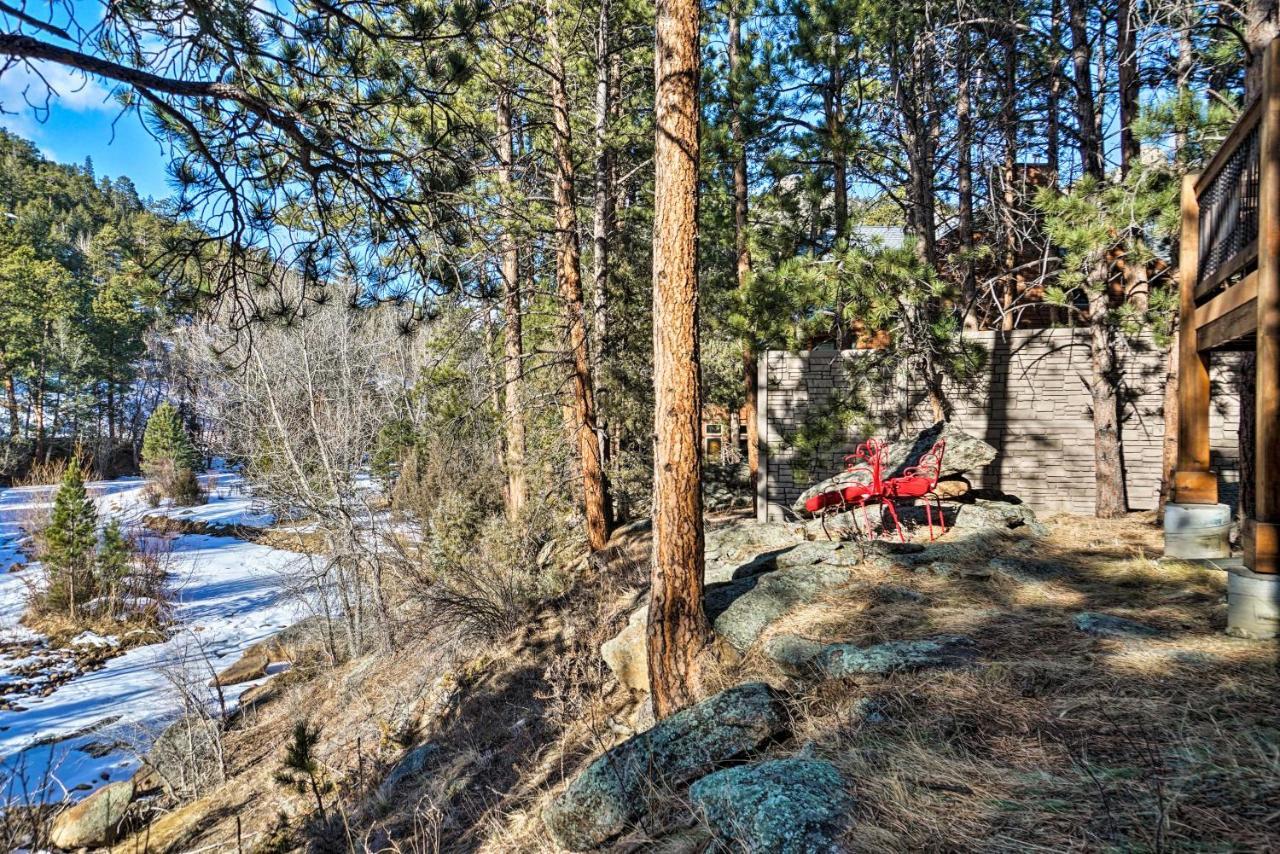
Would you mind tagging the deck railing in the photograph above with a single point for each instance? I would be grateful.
(1228, 198)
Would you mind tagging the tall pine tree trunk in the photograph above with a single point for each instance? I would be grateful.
(678, 630)
(1053, 133)
(964, 181)
(569, 274)
(512, 338)
(1127, 57)
(742, 248)
(1109, 500)
(1082, 67)
(1009, 195)
(602, 226)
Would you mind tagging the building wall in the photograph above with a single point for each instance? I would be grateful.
(1031, 403)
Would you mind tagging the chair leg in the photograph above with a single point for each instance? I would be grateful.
(942, 518)
(870, 531)
(928, 517)
(896, 524)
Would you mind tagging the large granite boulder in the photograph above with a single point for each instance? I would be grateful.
(963, 454)
(625, 653)
(622, 785)
(783, 806)
(94, 822)
(772, 596)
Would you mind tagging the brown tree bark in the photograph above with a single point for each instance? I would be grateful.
(742, 247)
(1109, 500)
(964, 181)
(678, 630)
(1086, 116)
(1053, 133)
(569, 276)
(512, 332)
(605, 179)
(1127, 57)
(1009, 177)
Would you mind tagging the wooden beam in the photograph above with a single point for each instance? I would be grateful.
(1264, 556)
(1228, 317)
(1240, 294)
(1223, 330)
(1193, 483)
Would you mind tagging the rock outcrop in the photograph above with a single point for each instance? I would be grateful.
(771, 597)
(845, 659)
(783, 806)
(96, 821)
(1111, 626)
(622, 785)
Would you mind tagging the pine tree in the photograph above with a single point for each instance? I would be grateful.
(301, 771)
(69, 542)
(168, 457)
(113, 559)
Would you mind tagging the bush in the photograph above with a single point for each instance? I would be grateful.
(169, 458)
(90, 576)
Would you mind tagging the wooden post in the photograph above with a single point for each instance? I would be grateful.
(1262, 533)
(1193, 483)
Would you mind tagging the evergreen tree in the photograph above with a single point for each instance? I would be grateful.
(300, 769)
(166, 440)
(169, 457)
(69, 542)
(113, 559)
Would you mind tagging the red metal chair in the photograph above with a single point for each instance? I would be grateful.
(918, 481)
(867, 461)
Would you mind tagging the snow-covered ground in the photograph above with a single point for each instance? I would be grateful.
(228, 595)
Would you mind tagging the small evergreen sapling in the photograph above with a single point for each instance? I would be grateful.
(115, 562)
(301, 771)
(168, 456)
(70, 540)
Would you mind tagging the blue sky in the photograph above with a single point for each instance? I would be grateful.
(83, 121)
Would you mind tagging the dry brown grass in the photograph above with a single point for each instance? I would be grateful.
(1054, 741)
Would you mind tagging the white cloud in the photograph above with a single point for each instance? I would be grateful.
(61, 86)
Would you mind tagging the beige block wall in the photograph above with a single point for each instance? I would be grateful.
(1031, 403)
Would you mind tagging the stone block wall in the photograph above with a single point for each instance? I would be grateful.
(1032, 403)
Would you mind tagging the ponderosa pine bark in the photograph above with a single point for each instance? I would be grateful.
(1109, 498)
(603, 225)
(742, 248)
(569, 276)
(678, 630)
(512, 333)
(964, 181)
(1082, 68)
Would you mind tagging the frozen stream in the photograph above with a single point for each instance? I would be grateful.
(228, 595)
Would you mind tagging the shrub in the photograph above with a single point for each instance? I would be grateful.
(169, 458)
(87, 576)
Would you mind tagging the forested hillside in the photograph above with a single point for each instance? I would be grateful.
(79, 299)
